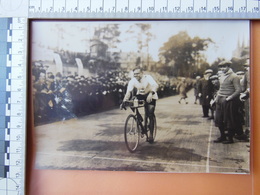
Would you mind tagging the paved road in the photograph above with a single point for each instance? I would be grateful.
(183, 143)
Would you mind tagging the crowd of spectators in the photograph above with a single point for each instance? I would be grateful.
(58, 97)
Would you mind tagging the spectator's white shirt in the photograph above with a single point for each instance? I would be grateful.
(147, 84)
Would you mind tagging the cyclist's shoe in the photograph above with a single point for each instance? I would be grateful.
(150, 139)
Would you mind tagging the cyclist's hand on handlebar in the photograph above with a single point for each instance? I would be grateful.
(149, 98)
(123, 106)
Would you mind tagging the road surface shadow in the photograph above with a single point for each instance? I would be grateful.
(111, 130)
(146, 151)
(123, 167)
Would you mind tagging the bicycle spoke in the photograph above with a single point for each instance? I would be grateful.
(131, 133)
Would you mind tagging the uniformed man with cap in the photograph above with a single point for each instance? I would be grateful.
(240, 74)
(246, 81)
(244, 96)
(206, 92)
(214, 80)
(228, 117)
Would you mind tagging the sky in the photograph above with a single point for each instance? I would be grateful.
(74, 35)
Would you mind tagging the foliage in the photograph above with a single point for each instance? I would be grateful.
(108, 34)
(184, 53)
(142, 36)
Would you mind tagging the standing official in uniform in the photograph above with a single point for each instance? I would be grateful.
(206, 89)
(244, 96)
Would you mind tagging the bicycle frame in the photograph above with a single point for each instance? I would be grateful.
(140, 123)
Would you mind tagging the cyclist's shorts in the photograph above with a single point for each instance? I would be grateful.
(143, 97)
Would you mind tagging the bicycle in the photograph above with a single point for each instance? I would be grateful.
(135, 127)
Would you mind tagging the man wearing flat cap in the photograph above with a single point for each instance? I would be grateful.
(214, 80)
(246, 80)
(206, 92)
(228, 117)
(244, 96)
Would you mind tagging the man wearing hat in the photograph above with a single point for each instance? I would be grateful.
(206, 92)
(227, 116)
(214, 80)
(244, 96)
(196, 88)
(241, 75)
(246, 81)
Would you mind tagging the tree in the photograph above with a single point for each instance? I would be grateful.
(108, 34)
(185, 52)
(143, 36)
(103, 45)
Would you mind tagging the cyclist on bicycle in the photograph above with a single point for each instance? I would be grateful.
(146, 89)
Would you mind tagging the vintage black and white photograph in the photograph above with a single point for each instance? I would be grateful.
(149, 96)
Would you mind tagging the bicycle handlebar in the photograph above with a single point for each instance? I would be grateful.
(136, 103)
(133, 104)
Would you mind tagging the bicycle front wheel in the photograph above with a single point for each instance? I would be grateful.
(132, 133)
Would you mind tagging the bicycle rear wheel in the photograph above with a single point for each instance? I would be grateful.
(154, 129)
(132, 133)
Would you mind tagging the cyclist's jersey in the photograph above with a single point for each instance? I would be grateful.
(146, 85)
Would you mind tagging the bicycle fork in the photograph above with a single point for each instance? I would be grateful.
(140, 124)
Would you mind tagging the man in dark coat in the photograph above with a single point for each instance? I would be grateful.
(215, 81)
(244, 96)
(206, 90)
